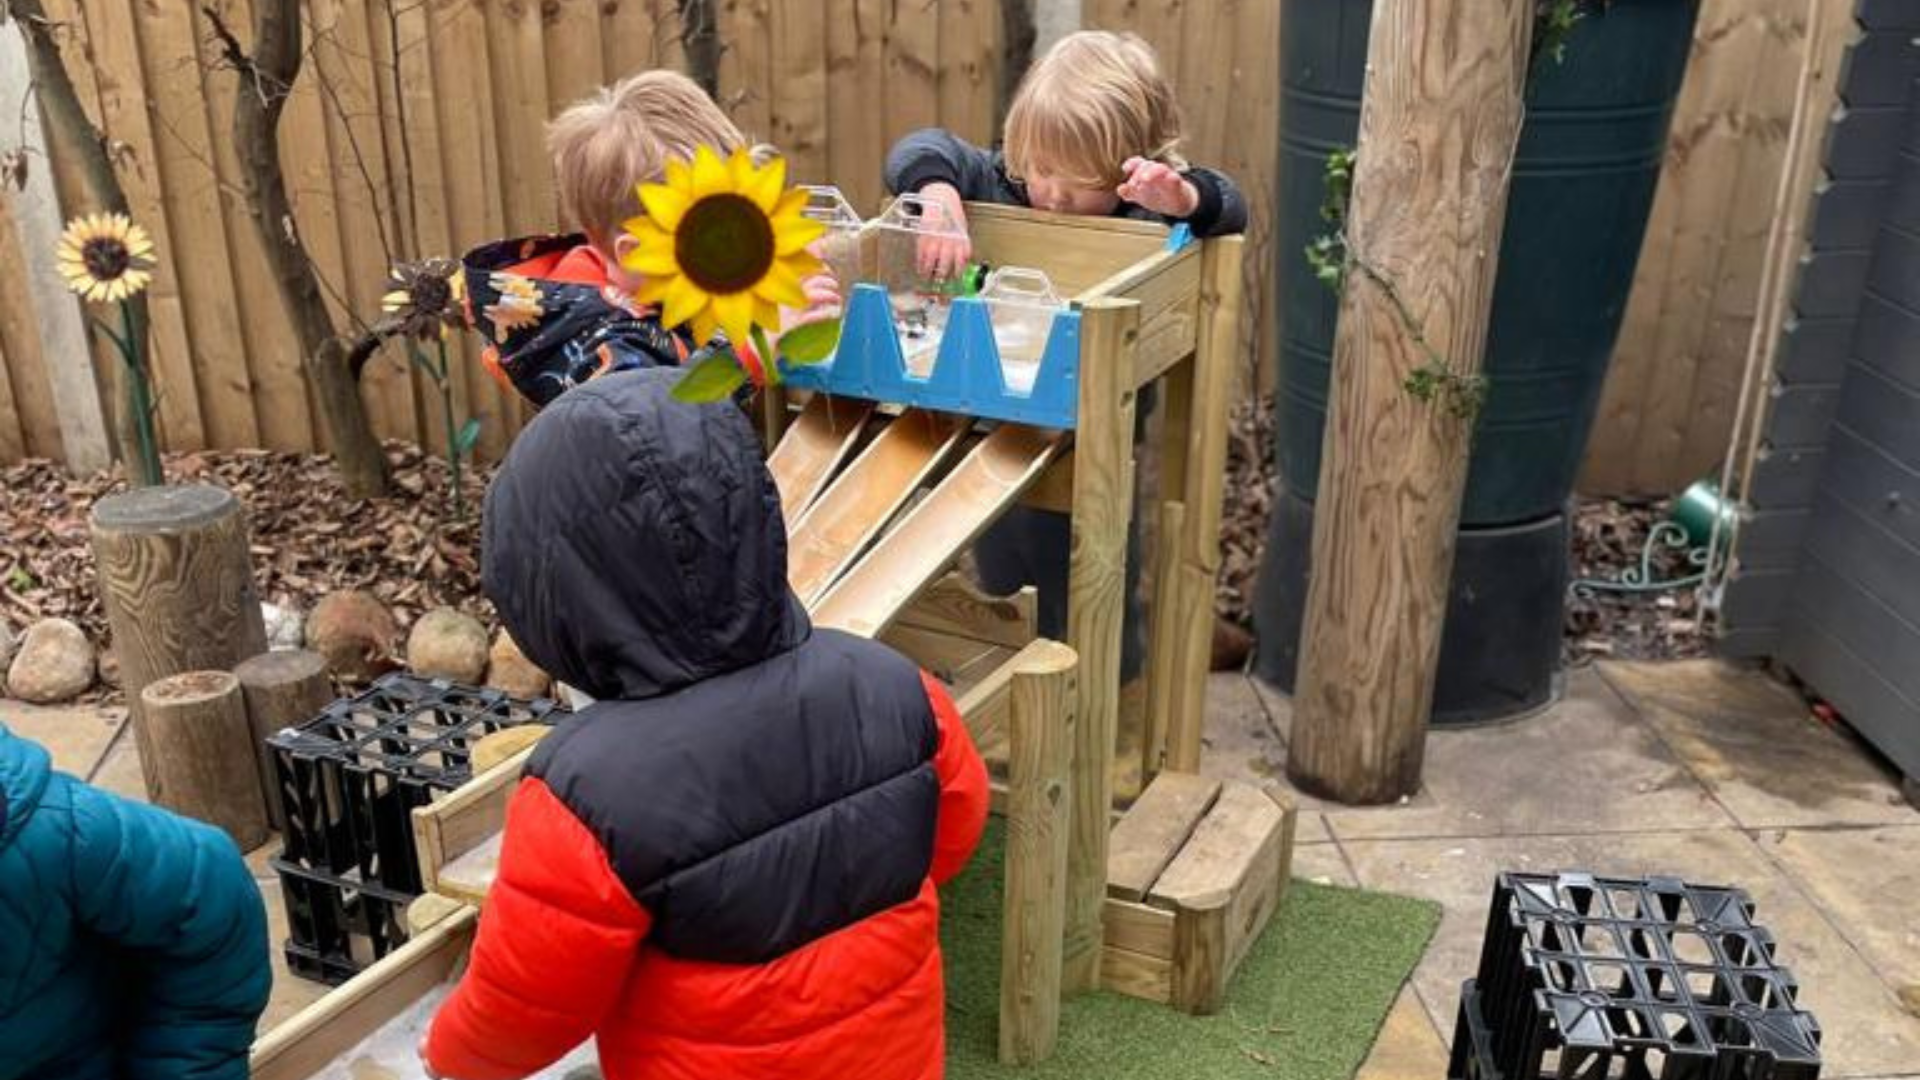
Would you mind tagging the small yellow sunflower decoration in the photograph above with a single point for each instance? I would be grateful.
(106, 258)
(723, 244)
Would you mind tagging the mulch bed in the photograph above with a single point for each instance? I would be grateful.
(309, 538)
(412, 552)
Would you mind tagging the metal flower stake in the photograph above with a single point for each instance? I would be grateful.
(107, 259)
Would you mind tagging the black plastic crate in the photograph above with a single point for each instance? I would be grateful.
(351, 777)
(1593, 978)
(337, 926)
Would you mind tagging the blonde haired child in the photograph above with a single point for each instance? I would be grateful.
(558, 310)
(1092, 130)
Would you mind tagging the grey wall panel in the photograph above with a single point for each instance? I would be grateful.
(1872, 706)
(1800, 415)
(1785, 479)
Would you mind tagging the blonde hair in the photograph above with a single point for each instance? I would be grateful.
(1093, 101)
(621, 136)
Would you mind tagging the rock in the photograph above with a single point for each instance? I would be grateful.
(285, 629)
(110, 667)
(446, 644)
(1231, 645)
(508, 669)
(55, 662)
(356, 634)
(7, 644)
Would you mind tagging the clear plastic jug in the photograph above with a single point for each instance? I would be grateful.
(1021, 305)
(920, 304)
(839, 249)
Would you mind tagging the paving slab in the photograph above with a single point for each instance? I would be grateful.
(1587, 764)
(1409, 1047)
(1322, 863)
(1867, 882)
(77, 736)
(119, 770)
(1758, 749)
(1241, 743)
(1867, 1033)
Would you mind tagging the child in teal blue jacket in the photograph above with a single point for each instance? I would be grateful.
(133, 942)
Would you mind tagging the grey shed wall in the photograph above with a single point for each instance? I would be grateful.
(1829, 580)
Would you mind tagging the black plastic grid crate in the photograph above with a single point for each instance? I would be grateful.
(1593, 978)
(351, 777)
(336, 926)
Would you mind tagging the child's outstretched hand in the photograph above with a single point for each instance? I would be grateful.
(942, 258)
(1156, 186)
(823, 302)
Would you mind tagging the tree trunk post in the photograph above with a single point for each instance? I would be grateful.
(177, 584)
(1438, 125)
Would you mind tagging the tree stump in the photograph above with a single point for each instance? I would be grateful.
(197, 723)
(283, 689)
(178, 588)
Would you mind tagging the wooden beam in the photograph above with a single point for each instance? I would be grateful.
(37, 221)
(1441, 113)
(1038, 829)
(1102, 505)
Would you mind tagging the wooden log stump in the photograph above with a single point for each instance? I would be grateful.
(178, 588)
(197, 724)
(282, 689)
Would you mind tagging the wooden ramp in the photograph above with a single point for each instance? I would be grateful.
(932, 535)
(813, 447)
(832, 532)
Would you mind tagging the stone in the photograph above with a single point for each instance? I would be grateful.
(446, 644)
(7, 644)
(509, 670)
(110, 667)
(356, 634)
(55, 662)
(285, 628)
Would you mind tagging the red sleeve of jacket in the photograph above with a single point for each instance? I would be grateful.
(963, 787)
(557, 936)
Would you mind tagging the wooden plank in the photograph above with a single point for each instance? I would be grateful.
(35, 216)
(1224, 887)
(746, 89)
(1136, 975)
(449, 828)
(273, 353)
(1201, 80)
(926, 542)
(1077, 253)
(857, 138)
(813, 446)
(1139, 928)
(38, 428)
(851, 512)
(309, 170)
(669, 50)
(1054, 490)
(114, 42)
(912, 98)
(1102, 507)
(1249, 155)
(516, 49)
(471, 193)
(798, 73)
(197, 226)
(1163, 644)
(1153, 830)
(1167, 286)
(1191, 593)
(969, 72)
(313, 1037)
(468, 876)
(13, 444)
(1223, 851)
(628, 38)
(952, 605)
(573, 37)
(1038, 830)
(960, 662)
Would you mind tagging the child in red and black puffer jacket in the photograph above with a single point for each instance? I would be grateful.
(726, 866)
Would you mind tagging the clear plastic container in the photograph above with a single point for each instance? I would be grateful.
(1021, 304)
(839, 249)
(920, 304)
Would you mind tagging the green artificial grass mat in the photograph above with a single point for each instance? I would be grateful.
(1306, 1003)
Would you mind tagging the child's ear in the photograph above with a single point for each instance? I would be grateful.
(623, 242)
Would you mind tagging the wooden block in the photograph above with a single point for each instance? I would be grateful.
(1135, 975)
(428, 909)
(449, 828)
(1150, 836)
(1038, 828)
(1224, 886)
(1222, 850)
(952, 605)
(468, 876)
(1138, 928)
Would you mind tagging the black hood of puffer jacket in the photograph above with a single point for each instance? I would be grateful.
(633, 544)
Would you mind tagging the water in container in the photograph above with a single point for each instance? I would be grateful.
(1021, 304)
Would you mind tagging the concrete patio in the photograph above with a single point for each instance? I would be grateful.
(1700, 770)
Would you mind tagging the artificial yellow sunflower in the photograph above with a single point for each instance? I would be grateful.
(722, 243)
(105, 257)
(426, 298)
